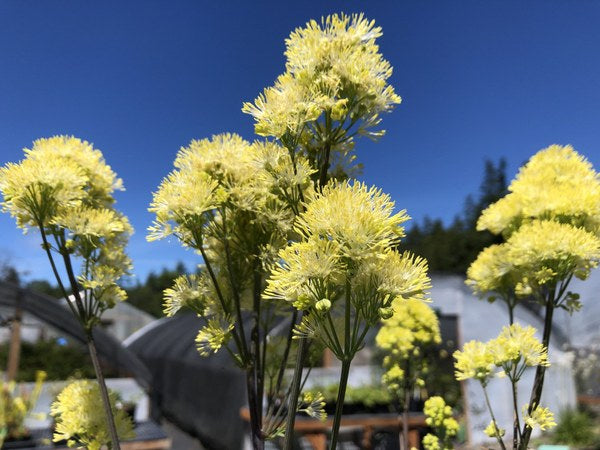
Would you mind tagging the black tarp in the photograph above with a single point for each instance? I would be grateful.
(202, 395)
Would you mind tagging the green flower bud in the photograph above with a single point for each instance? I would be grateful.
(323, 305)
(386, 313)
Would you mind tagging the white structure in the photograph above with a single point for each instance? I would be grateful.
(480, 320)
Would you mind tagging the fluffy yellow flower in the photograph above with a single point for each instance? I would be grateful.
(493, 431)
(101, 180)
(190, 291)
(557, 183)
(358, 218)
(306, 273)
(518, 345)
(213, 336)
(80, 422)
(35, 191)
(284, 108)
(227, 171)
(540, 417)
(492, 271)
(474, 361)
(539, 253)
(547, 251)
(333, 66)
(396, 275)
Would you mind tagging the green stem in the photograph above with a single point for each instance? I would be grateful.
(538, 383)
(103, 391)
(337, 420)
(489, 406)
(516, 425)
(294, 393)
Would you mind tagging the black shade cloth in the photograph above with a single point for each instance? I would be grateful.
(202, 395)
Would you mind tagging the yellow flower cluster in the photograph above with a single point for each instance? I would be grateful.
(227, 171)
(494, 431)
(540, 417)
(188, 291)
(412, 327)
(65, 188)
(474, 361)
(332, 67)
(80, 422)
(348, 230)
(515, 349)
(557, 184)
(439, 417)
(213, 336)
(431, 442)
(15, 407)
(539, 253)
(413, 324)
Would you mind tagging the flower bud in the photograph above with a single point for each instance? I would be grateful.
(323, 305)
(386, 313)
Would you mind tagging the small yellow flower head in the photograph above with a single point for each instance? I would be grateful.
(493, 431)
(540, 417)
(188, 291)
(402, 275)
(359, 219)
(227, 171)
(313, 404)
(305, 266)
(539, 253)
(439, 416)
(431, 442)
(558, 184)
(474, 361)
(393, 378)
(213, 336)
(492, 271)
(81, 422)
(518, 344)
(57, 173)
(284, 108)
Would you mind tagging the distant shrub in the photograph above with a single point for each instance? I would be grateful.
(576, 428)
(60, 362)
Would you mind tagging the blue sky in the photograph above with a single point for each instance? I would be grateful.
(141, 79)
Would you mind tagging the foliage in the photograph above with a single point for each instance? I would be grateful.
(367, 395)
(452, 248)
(60, 362)
(15, 407)
(576, 428)
(80, 422)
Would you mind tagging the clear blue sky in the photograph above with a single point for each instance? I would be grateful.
(140, 79)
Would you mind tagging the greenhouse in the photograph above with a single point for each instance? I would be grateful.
(255, 226)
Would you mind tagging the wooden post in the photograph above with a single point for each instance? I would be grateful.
(14, 349)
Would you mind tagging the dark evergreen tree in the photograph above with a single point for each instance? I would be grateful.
(452, 248)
